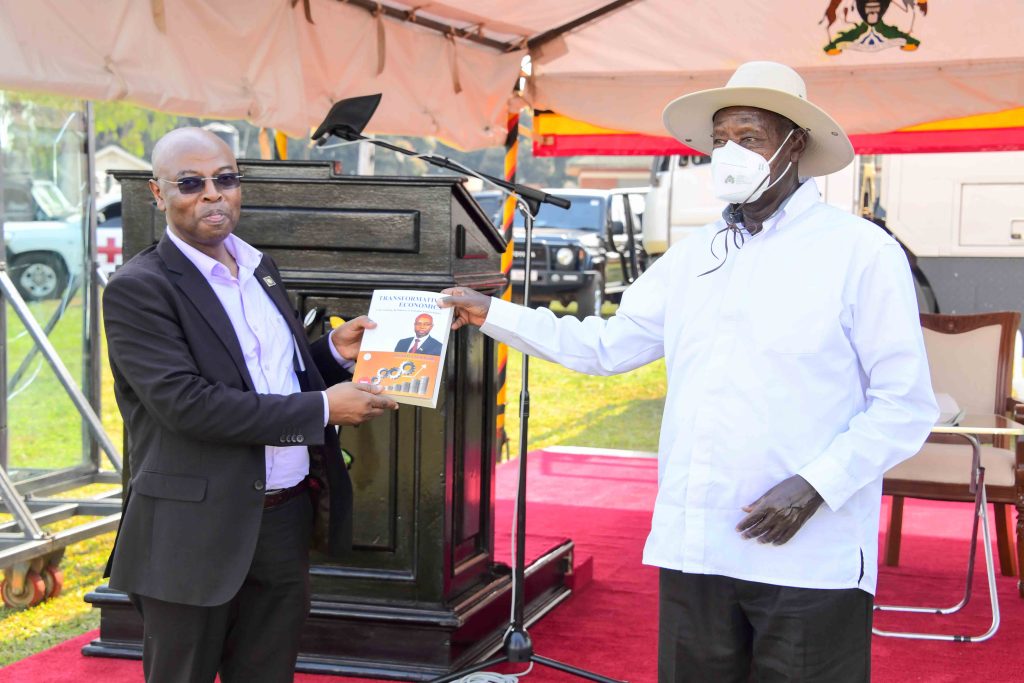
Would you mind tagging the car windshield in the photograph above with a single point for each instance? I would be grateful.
(491, 205)
(586, 213)
(51, 200)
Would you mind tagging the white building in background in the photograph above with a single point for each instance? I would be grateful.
(114, 157)
(229, 134)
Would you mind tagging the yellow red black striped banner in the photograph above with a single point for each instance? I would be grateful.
(507, 214)
(556, 135)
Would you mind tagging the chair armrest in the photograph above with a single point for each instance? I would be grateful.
(1015, 408)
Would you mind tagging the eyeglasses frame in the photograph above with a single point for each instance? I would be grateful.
(236, 176)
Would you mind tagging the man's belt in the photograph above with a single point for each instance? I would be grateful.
(275, 498)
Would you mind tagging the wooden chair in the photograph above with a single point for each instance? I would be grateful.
(971, 359)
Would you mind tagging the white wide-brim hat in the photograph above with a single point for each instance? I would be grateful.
(765, 85)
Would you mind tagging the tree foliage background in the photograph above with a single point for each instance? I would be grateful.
(27, 121)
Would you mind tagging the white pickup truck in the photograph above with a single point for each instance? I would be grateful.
(44, 238)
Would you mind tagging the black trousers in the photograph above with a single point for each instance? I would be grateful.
(253, 638)
(715, 628)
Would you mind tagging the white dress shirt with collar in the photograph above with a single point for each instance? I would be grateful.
(802, 354)
(267, 343)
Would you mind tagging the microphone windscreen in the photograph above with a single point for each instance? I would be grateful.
(348, 116)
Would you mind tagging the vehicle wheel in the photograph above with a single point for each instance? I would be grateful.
(53, 580)
(32, 592)
(591, 297)
(38, 275)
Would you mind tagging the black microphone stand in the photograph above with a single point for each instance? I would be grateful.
(517, 646)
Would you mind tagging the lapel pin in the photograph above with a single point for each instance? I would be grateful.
(269, 280)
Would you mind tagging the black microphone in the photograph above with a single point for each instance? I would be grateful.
(542, 197)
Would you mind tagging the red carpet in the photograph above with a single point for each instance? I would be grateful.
(610, 625)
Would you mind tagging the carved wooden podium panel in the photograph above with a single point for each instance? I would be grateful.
(420, 593)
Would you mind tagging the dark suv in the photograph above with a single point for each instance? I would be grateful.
(588, 253)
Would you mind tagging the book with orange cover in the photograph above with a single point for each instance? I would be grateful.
(405, 353)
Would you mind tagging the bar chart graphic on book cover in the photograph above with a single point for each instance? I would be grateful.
(404, 354)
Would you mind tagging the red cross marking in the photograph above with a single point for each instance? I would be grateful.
(110, 250)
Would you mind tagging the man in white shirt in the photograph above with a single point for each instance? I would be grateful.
(796, 377)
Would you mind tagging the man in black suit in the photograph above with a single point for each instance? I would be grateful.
(422, 342)
(230, 417)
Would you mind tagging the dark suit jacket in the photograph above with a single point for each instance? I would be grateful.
(197, 430)
(430, 346)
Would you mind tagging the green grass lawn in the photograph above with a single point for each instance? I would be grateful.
(45, 431)
(571, 409)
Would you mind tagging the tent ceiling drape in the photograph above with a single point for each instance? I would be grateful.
(447, 68)
(262, 61)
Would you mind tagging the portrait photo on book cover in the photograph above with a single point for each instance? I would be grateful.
(404, 353)
(421, 342)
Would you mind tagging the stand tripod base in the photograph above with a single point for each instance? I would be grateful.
(535, 659)
(519, 650)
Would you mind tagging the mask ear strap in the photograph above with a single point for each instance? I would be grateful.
(763, 181)
(781, 175)
(788, 136)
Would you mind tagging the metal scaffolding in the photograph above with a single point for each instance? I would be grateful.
(30, 553)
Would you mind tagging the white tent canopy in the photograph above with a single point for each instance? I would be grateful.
(258, 60)
(620, 71)
(448, 68)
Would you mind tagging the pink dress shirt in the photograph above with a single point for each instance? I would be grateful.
(267, 343)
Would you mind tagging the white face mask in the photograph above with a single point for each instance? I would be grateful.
(740, 175)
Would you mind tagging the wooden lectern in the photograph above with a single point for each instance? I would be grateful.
(421, 594)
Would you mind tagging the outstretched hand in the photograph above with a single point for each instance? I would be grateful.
(350, 403)
(470, 306)
(776, 516)
(346, 339)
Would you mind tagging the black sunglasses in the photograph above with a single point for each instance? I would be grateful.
(193, 183)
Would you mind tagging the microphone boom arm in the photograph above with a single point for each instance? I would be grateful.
(532, 197)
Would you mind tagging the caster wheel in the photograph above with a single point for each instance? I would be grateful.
(53, 580)
(33, 592)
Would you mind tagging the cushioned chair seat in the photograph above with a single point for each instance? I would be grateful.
(948, 463)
